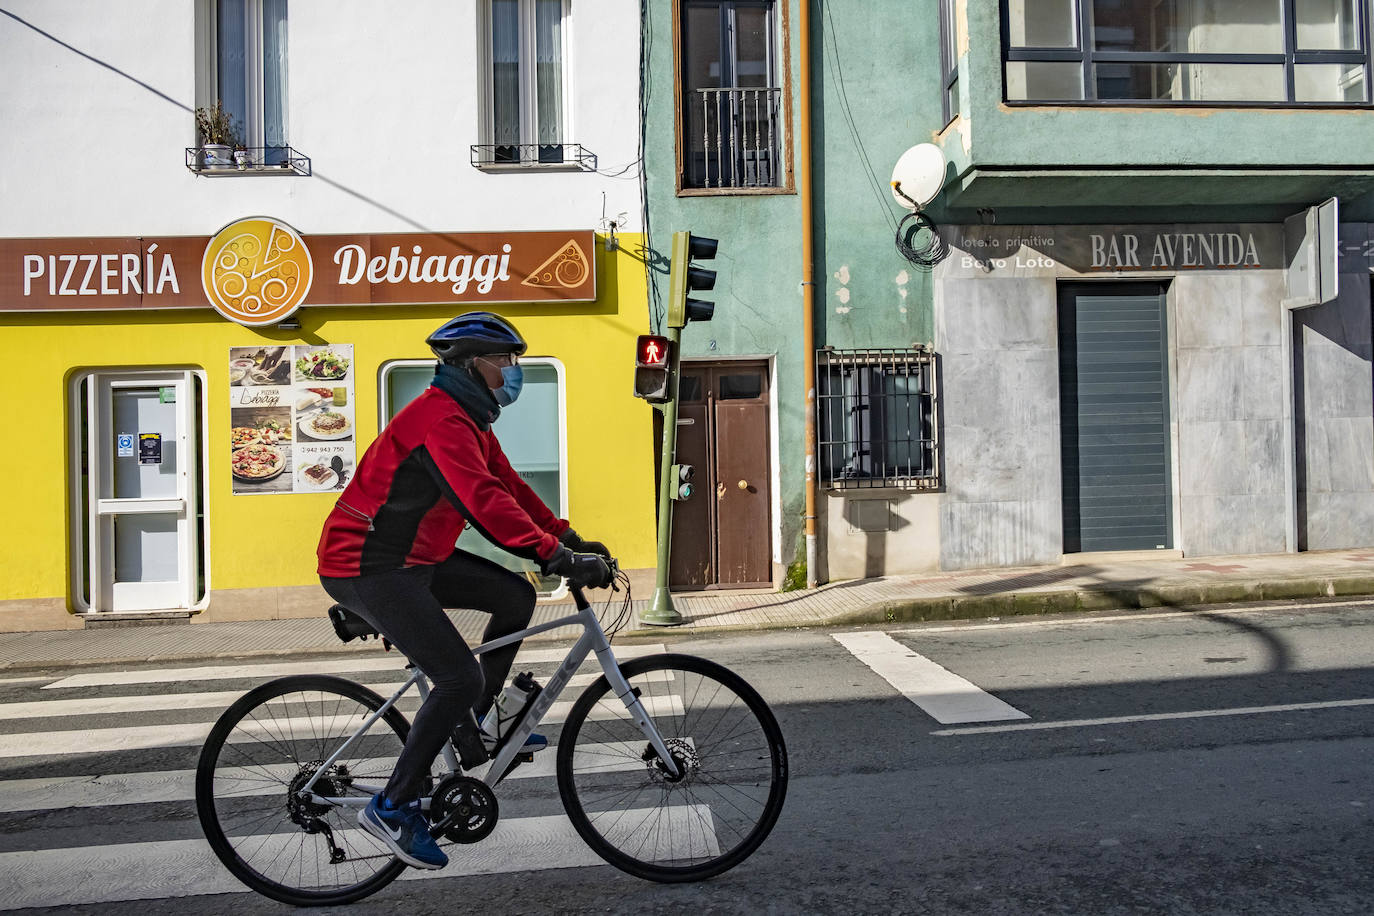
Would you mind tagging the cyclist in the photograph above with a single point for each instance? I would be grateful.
(387, 552)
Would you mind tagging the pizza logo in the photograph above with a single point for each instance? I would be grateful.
(567, 268)
(256, 271)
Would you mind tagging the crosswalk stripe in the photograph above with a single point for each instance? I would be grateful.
(942, 694)
(393, 661)
(220, 699)
(184, 868)
(50, 793)
(146, 737)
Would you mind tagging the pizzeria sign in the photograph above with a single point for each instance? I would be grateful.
(258, 270)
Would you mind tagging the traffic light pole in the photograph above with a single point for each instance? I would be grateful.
(683, 278)
(661, 611)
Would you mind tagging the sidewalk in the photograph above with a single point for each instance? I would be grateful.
(972, 594)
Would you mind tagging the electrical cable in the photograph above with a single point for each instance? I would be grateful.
(929, 252)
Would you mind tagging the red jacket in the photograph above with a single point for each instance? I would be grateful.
(431, 472)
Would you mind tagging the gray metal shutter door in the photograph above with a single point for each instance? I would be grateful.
(1114, 418)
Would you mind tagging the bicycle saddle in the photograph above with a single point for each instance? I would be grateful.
(348, 626)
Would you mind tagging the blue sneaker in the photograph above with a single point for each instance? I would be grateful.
(405, 832)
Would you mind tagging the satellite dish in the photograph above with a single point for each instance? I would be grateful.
(919, 175)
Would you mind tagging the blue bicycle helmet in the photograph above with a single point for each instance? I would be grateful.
(475, 334)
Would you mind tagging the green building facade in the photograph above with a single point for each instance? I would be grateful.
(1139, 336)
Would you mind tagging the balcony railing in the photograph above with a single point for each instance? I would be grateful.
(734, 140)
(255, 160)
(499, 156)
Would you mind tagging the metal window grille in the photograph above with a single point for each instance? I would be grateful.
(739, 146)
(877, 418)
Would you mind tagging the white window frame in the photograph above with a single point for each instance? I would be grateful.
(207, 67)
(82, 503)
(529, 114)
(384, 400)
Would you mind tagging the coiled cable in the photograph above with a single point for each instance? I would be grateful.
(918, 238)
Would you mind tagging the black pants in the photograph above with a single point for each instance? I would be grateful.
(407, 606)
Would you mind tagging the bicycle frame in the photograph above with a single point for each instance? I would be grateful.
(593, 639)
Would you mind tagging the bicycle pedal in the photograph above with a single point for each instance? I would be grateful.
(526, 757)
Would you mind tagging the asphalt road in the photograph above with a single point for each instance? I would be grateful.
(1208, 762)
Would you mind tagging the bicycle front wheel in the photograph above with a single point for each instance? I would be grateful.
(261, 752)
(629, 807)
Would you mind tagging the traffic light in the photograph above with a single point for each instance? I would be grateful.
(684, 279)
(682, 475)
(653, 362)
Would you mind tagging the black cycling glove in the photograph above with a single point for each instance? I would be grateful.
(573, 541)
(585, 569)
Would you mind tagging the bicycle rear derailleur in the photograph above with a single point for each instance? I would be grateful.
(462, 809)
(309, 815)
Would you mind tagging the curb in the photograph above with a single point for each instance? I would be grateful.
(946, 607)
(904, 610)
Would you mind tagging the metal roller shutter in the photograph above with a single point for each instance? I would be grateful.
(1114, 417)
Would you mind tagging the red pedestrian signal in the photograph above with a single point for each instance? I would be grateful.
(652, 352)
(653, 366)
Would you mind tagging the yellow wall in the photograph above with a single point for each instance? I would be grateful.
(269, 541)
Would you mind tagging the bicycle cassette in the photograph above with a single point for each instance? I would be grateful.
(463, 809)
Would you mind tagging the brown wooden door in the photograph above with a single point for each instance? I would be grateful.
(721, 535)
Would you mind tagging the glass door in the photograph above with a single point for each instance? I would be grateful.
(142, 453)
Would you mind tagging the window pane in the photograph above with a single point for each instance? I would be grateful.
(1326, 25)
(1189, 26)
(1042, 23)
(742, 386)
(548, 55)
(702, 69)
(752, 67)
(1140, 81)
(689, 388)
(141, 410)
(1044, 80)
(231, 62)
(702, 47)
(1328, 83)
(146, 548)
(950, 45)
(505, 71)
(529, 432)
(1236, 83)
(274, 75)
(1192, 82)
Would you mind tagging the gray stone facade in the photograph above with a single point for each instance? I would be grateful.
(1271, 411)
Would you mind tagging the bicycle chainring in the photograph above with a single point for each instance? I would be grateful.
(472, 806)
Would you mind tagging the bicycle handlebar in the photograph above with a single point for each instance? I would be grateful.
(579, 598)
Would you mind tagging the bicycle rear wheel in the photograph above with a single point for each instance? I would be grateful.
(632, 812)
(260, 752)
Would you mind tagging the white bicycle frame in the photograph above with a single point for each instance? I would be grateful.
(593, 639)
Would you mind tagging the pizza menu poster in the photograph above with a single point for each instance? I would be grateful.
(292, 416)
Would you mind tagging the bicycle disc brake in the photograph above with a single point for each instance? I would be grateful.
(463, 810)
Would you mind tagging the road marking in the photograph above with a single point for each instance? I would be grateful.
(184, 868)
(220, 699)
(146, 737)
(47, 793)
(394, 662)
(1155, 717)
(1116, 618)
(942, 694)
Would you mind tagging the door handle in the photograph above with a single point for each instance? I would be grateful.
(720, 490)
(744, 484)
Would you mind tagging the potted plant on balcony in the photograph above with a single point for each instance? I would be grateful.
(218, 138)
